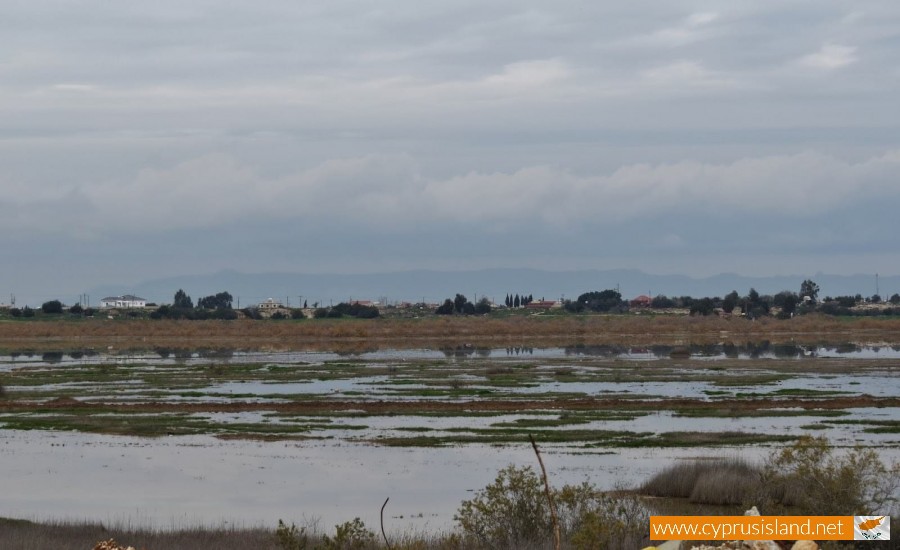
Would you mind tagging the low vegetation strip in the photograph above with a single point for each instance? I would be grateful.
(435, 332)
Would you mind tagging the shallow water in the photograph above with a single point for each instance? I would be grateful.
(185, 481)
(182, 481)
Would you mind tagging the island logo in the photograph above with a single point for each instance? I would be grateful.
(871, 528)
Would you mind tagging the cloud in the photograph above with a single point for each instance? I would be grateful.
(686, 75)
(701, 18)
(830, 57)
(693, 28)
(387, 193)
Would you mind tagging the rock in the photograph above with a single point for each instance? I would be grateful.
(752, 512)
(805, 545)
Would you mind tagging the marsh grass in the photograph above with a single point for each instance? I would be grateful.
(718, 481)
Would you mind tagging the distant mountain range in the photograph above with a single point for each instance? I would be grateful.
(434, 286)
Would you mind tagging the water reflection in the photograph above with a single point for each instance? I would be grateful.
(759, 350)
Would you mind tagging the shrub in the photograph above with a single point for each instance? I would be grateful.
(297, 314)
(291, 538)
(351, 535)
(27, 312)
(76, 309)
(252, 313)
(509, 513)
(808, 478)
(15, 312)
(513, 512)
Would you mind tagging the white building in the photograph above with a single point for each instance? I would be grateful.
(270, 304)
(126, 301)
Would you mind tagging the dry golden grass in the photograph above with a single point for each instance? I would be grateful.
(441, 331)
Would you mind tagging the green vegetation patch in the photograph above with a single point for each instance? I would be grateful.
(756, 413)
(749, 380)
(707, 439)
(874, 426)
(506, 436)
(796, 392)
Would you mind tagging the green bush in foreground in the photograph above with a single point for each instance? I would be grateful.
(809, 478)
(513, 512)
(350, 535)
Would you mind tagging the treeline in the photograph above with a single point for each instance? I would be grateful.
(344, 309)
(220, 306)
(460, 305)
(53, 307)
(784, 304)
(518, 301)
(216, 306)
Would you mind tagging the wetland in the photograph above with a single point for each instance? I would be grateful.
(211, 434)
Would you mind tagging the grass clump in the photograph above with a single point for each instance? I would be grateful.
(718, 481)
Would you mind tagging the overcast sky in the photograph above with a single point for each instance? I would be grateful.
(141, 140)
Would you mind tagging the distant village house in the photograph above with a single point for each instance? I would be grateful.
(271, 304)
(126, 301)
(641, 301)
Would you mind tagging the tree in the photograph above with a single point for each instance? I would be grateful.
(459, 303)
(516, 301)
(221, 300)
(76, 309)
(446, 308)
(704, 306)
(809, 288)
(895, 299)
(182, 300)
(790, 304)
(483, 307)
(53, 306)
(875, 299)
(730, 301)
(602, 301)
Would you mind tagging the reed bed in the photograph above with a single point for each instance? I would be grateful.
(535, 331)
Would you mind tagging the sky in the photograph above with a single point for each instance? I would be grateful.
(153, 139)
